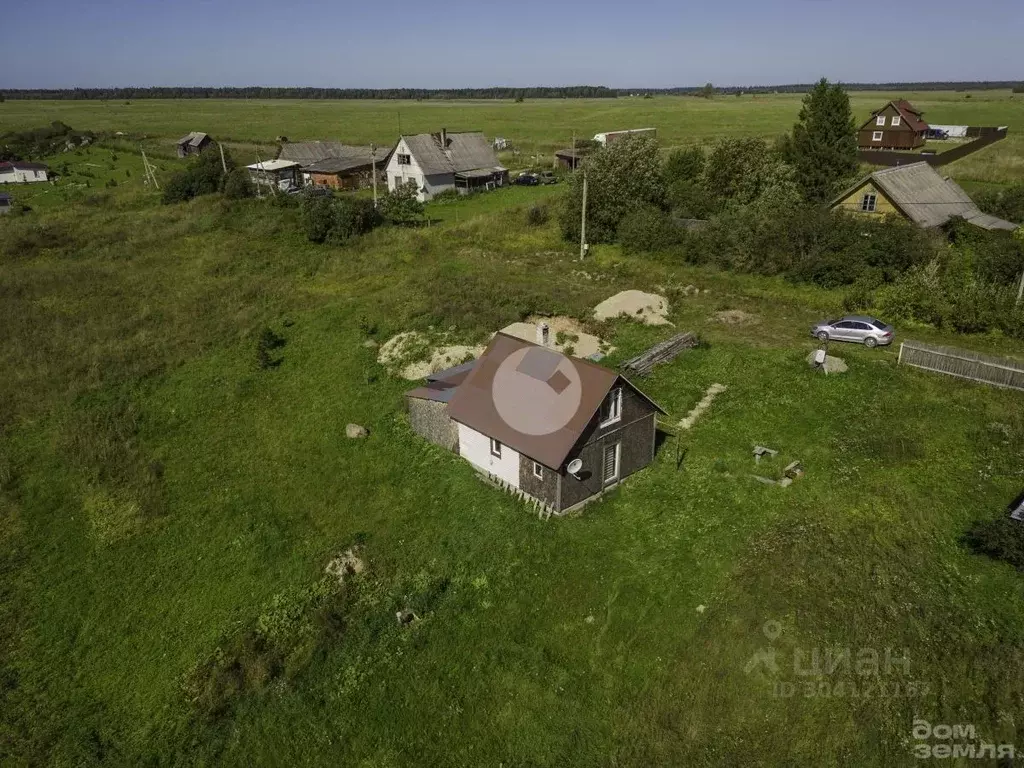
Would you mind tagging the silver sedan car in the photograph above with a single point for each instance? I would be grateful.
(868, 331)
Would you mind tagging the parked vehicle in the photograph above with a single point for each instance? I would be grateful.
(862, 329)
(547, 177)
(526, 180)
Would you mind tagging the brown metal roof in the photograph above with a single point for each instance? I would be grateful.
(521, 389)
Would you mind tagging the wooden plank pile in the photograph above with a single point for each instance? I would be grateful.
(662, 352)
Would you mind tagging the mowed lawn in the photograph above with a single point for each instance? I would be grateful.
(165, 500)
(535, 127)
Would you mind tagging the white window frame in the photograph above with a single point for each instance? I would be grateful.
(895, 121)
(880, 120)
(538, 471)
(869, 202)
(614, 405)
(877, 136)
(614, 477)
(403, 158)
(495, 448)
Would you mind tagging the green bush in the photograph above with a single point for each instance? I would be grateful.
(1000, 539)
(352, 216)
(648, 229)
(238, 185)
(537, 215)
(447, 196)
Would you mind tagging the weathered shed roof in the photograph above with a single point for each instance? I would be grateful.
(22, 165)
(926, 198)
(195, 139)
(272, 165)
(523, 385)
(463, 152)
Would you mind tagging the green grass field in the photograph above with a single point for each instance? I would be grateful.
(167, 507)
(535, 127)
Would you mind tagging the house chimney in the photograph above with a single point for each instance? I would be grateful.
(542, 334)
(444, 138)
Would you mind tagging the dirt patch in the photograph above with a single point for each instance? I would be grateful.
(735, 317)
(348, 563)
(412, 355)
(564, 334)
(648, 308)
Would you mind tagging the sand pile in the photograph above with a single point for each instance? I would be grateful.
(649, 308)
(564, 334)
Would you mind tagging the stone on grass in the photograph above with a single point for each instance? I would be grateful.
(832, 364)
(354, 431)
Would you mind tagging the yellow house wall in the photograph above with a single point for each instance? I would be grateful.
(851, 203)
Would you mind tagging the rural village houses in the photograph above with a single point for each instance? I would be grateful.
(556, 429)
(440, 161)
(897, 125)
(916, 192)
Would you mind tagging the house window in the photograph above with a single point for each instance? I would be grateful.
(611, 462)
(880, 120)
(867, 203)
(398, 181)
(495, 448)
(611, 408)
(404, 159)
(876, 136)
(538, 471)
(895, 121)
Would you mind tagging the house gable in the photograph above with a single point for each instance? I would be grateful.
(852, 201)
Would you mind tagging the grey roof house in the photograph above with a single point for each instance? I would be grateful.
(446, 160)
(333, 164)
(918, 193)
(554, 429)
(193, 143)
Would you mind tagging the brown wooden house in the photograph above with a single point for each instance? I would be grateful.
(554, 429)
(897, 125)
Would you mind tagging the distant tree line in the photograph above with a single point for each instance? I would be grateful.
(255, 92)
(944, 85)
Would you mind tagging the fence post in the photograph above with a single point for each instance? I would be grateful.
(900, 358)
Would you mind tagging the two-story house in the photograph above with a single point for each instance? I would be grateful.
(897, 125)
(436, 162)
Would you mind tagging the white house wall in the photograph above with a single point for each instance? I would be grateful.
(428, 186)
(18, 175)
(475, 447)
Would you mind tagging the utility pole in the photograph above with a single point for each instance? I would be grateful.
(583, 219)
(223, 162)
(149, 174)
(373, 160)
(259, 166)
(1020, 290)
(573, 161)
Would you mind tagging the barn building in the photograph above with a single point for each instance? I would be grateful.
(897, 125)
(336, 165)
(553, 428)
(193, 144)
(436, 162)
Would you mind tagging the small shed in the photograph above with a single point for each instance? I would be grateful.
(193, 143)
(569, 159)
(283, 174)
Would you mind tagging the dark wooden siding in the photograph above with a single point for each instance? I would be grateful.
(901, 136)
(545, 488)
(635, 431)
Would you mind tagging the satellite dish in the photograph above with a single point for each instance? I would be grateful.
(574, 467)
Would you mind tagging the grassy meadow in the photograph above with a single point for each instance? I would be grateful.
(168, 508)
(535, 127)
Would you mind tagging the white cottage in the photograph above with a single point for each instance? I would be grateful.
(440, 161)
(18, 172)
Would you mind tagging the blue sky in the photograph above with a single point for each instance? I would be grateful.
(457, 43)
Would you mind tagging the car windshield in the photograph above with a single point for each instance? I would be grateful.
(831, 322)
(878, 324)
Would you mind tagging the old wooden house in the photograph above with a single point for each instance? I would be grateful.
(193, 144)
(897, 125)
(554, 428)
(336, 165)
(918, 193)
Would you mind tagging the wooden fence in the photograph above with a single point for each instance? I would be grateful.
(982, 138)
(964, 364)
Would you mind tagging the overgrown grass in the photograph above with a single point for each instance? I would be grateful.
(168, 507)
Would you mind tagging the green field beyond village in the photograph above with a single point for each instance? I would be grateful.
(168, 506)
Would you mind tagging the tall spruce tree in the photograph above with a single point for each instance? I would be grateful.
(823, 146)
